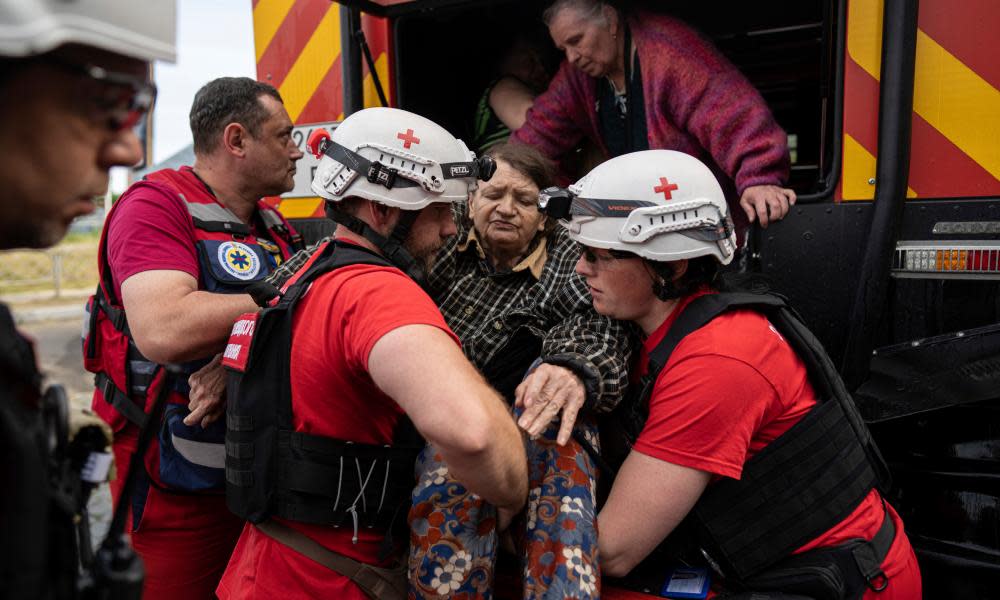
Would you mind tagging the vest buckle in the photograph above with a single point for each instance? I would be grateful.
(877, 582)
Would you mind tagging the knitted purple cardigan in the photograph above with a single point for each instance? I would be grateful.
(696, 101)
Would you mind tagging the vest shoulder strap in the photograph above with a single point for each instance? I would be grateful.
(699, 313)
(206, 212)
(275, 223)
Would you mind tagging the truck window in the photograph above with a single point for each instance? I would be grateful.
(445, 59)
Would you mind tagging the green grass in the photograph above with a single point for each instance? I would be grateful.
(91, 237)
(24, 271)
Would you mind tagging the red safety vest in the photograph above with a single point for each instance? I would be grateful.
(230, 258)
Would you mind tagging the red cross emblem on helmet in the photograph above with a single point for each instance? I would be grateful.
(665, 188)
(408, 138)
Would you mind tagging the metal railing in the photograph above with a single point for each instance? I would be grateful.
(49, 273)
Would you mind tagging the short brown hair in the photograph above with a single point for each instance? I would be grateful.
(227, 100)
(527, 161)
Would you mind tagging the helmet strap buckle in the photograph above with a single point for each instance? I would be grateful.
(382, 175)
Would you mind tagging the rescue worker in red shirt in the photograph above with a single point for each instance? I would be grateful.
(177, 254)
(326, 384)
(74, 80)
(744, 447)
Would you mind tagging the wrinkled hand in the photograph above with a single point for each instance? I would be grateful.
(206, 401)
(543, 394)
(766, 203)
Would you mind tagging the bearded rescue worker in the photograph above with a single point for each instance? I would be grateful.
(319, 460)
(73, 82)
(178, 252)
(744, 433)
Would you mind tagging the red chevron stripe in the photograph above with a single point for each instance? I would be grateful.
(327, 102)
(860, 105)
(939, 168)
(968, 29)
(290, 39)
(377, 33)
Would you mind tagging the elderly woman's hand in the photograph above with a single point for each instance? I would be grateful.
(207, 386)
(548, 390)
(766, 203)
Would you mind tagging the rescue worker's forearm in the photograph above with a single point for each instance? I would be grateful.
(196, 326)
(494, 465)
(424, 371)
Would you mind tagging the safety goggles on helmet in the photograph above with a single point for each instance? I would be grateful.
(700, 219)
(401, 171)
(123, 100)
(592, 257)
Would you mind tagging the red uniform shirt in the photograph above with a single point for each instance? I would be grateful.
(728, 390)
(185, 540)
(153, 231)
(335, 327)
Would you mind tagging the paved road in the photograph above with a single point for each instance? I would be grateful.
(57, 346)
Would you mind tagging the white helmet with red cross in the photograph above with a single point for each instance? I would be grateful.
(143, 30)
(396, 158)
(658, 204)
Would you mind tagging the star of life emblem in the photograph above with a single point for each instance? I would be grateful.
(239, 260)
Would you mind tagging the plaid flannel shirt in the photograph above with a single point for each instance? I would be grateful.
(542, 296)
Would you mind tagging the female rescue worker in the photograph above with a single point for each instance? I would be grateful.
(735, 384)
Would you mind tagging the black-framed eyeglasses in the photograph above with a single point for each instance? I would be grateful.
(592, 257)
(124, 98)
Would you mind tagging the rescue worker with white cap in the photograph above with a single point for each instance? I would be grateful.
(327, 386)
(742, 444)
(73, 83)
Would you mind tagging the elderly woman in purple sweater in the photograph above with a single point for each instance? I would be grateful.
(675, 92)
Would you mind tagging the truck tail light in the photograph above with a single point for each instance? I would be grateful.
(965, 260)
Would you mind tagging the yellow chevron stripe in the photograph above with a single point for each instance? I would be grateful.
(299, 208)
(956, 101)
(949, 95)
(858, 170)
(368, 86)
(313, 63)
(864, 34)
(267, 18)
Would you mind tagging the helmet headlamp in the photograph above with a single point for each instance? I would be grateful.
(486, 166)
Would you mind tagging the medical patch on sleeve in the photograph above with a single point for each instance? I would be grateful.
(686, 582)
(239, 260)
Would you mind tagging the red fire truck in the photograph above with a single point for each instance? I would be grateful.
(892, 253)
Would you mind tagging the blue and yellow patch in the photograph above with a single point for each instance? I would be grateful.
(239, 260)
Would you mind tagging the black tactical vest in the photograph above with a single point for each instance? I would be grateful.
(273, 470)
(803, 483)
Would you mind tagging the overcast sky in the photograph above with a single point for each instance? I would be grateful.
(214, 38)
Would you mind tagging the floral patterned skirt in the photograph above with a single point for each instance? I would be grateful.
(453, 533)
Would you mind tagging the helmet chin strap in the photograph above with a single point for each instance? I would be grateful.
(392, 247)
